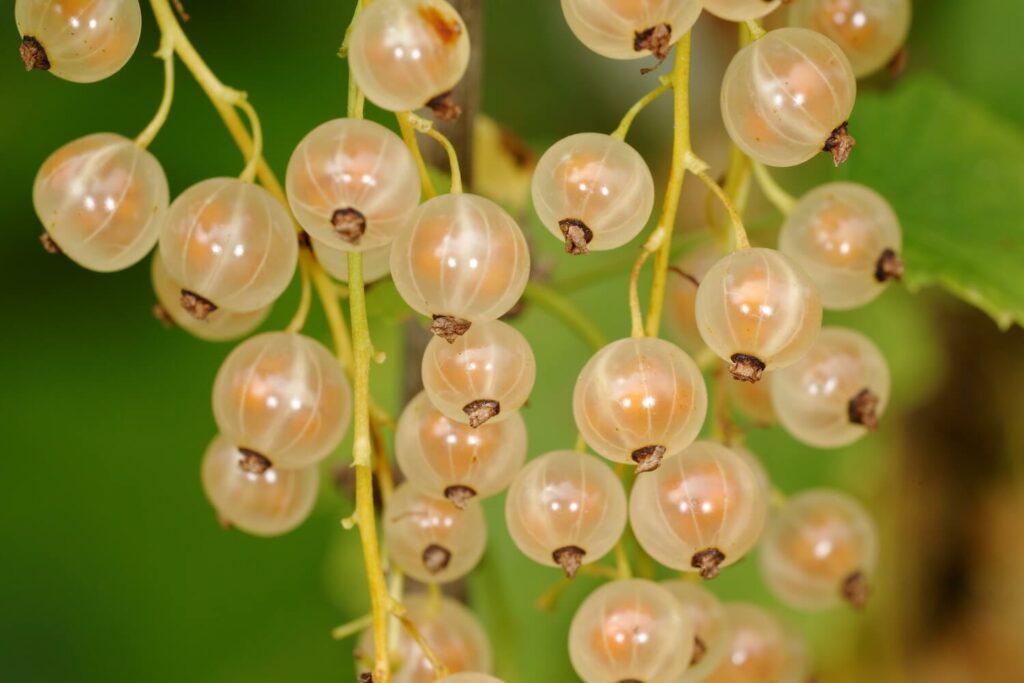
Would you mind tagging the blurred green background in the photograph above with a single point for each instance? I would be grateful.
(113, 564)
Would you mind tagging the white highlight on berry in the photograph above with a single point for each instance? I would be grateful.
(760, 649)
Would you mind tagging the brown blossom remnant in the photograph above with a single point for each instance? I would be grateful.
(855, 589)
(522, 155)
(449, 327)
(304, 240)
(840, 144)
(225, 523)
(577, 236)
(366, 677)
(349, 224)
(161, 314)
(33, 54)
(683, 274)
(448, 28)
(898, 63)
(481, 411)
(648, 458)
(570, 559)
(253, 462)
(863, 409)
(198, 307)
(700, 649)
(889, 266)
(436, 558)
(708, 562)
(444, 107)
(180, 9)
(48, 244)
(746, 368)
(459, 495)
(657, 39)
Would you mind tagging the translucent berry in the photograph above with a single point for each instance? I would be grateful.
(639, 400)
(788, 96)
(102, 200)
(755, 464)
(376, 261)
(230, 244)
(753, 399)
(250, 494)
(836, 393)
(741, 10)
(78, 40)
(431, 539)
(760, 649)
(680, 314)
(352, 184)
(711, 627)
(462, 259)
(847, 238)
(449, 459)
(485, 375)
(470, 677)
(819, 550)
(701, 511)
(406, 54)
(566, 509)
(593, 191)
(452, 631)
(627, 29)
(630, 630)
(220, 325)
(283, 396)
(870, 32)
(758, 310)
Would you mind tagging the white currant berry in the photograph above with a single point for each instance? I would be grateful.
(485, 375)
(283, 396)
(836, 393)
(230, 244)
(821, 549)
(702, 510)
(788, 96)
(681, 299)
(870, 32)
(630, 630)
(741, 10)
(847, 238)
(758, 310)
(249, 493)
(102, 200)
(462, 259)
(352, 184)
(78, 40)
(220, 325)
(640, 400)
(711, 627)
(452, 631)
(470, 677)
(446, 458)
(376, 261)
(431, 539)
(406, 54)
(753, 399)
(566, 509)
(755, 464)
(593, 191)
(760, 649)
(627, 29)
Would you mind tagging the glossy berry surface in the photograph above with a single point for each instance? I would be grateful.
(376, 262)
(431, 539)
(628, 29)
(701, 511)
(741, 10)
(593, 191)
(259, 500)
(78, 40)
(836, 393)
(760, 649)
(784, 96)
(681, 298)
(565, 509)
(404, 53)
(870, 32)
(102, 200)
(630, 630)
(712, 631)
(284, 396)
(847, 238)
(758, 310)
(352, 184)
(820, 550)
(231, 243)
(446, 458)
(640, 400)
(484, 376)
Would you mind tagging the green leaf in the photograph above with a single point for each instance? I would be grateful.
(955, 175)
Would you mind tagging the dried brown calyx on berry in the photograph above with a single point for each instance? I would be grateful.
(708, 562)
(349, 224)
(700, 649)
(436, 558)
(577, 236)
(33, 54)
(49, 245)
(449, 328)
(252, 462)
(889, 266)
(840, 144)
(746, 368)
(648, 458)
(863, 409)
(855, 589)
(444, 107)
(162, 316)
(480, 411)
(197, 306)
(657, 39)
(570, 559)
(459, 495)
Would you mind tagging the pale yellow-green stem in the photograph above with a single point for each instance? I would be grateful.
(306, 264)
(256, 154)
(780, 199)
(439, 667)
(165, 53)
(426, 127)
(351, 628)
(699, 168)
(627, 120)
(409, 136)
(755, 29)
